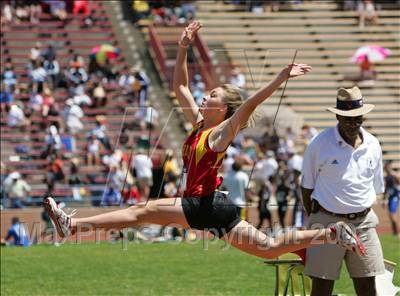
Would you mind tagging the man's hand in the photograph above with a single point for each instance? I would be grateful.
(347, 238)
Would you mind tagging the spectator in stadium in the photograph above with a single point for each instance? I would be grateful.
(131, 195)
(392, 194)
(294, 160)
(57, 9)
(366, 12)
(143, 167)
(100, 131)
(216, 122)
(77, 60)
(112, 193)
(141, 9)
(55, 171)
(81, 98)
(266, 166)
(198, 88)
(38, 75)
(48, 104)
(72, 115)
(147, 117)
(7, 13)
(282, 193)
(52, 69)
(74, 179)
(81, 6)
(77, 75)
(21, 10)
(8, 77)
(49, 54)
(238, 78)
(140, 86)
(35, 51)
(298, 210)
(126, 80)
(342, 174)
(170, 167)
(236, 182)
(99, 95)
(114, 159)
(53, 141)
(367, 71)
(264, 195)
(18, 233)
(35, 10)
(17, 118)
(93, 151)
(308, 133)
(6, 96)
(17, 190)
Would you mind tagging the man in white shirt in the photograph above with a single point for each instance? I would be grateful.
(144, 172)
(72, 115)
(342, 174)
(236, 182)
(16, 117)
(265, 167)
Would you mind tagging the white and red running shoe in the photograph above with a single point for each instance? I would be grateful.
(60, 219)
(347, 238)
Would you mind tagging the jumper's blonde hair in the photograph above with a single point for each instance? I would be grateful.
(234, 99)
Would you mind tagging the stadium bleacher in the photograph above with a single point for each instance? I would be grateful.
(65, 36)
(325, 38)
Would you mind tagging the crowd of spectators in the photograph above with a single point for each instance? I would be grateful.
(20, 11)
(273, 166)
(62, 96)
(170, 13)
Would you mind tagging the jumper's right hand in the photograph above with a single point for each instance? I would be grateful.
(347, 238)
(188, 34)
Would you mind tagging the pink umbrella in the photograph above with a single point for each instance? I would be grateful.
(374, 53)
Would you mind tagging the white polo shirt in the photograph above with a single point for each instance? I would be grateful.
(345, 180)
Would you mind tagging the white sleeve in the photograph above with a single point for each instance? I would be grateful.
(379, 184)
(309, 167)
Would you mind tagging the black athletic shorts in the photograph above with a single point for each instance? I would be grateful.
(216, 214)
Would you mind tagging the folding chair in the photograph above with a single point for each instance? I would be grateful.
(384, 282)
(289, 275)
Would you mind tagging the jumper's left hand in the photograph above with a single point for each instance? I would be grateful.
(294, 70)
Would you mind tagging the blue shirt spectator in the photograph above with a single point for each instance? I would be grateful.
(18, 233)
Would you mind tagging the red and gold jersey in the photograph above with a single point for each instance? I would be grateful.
(201, 164)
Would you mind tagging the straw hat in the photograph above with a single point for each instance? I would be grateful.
(350, 103)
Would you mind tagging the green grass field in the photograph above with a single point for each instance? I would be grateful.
(146, 269)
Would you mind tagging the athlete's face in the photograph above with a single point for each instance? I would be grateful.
(213, 103)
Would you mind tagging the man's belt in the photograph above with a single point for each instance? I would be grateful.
(315, 207)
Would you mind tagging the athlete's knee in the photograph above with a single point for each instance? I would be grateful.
(142, 210)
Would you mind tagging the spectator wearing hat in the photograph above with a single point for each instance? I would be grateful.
(342, 174)
(17, 190)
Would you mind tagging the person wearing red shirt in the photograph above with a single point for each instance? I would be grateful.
(222, 114)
